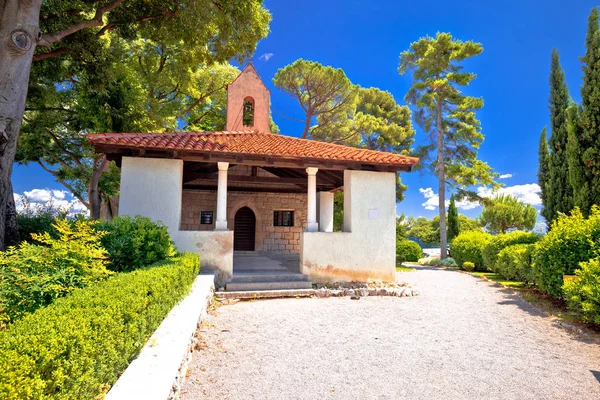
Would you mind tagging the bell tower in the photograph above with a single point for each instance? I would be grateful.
(248, 102)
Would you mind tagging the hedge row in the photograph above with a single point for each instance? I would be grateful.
(468, 247)
(583, 294)
(514, 262)
(77, 347)
(571, 240)
(493, 248)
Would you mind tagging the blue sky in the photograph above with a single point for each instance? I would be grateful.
(365, 40)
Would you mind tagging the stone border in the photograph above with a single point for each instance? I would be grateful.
(159, 369)
(356, 293)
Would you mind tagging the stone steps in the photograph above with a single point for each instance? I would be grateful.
(268, 276)
(255, 272)
(265, 294)
(267, 285)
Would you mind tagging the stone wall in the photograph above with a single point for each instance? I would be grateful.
(269, 238)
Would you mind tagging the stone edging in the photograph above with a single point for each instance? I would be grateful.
(157, 372)
(356, 293)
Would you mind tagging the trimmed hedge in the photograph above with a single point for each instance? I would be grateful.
(583, 293)
(468, 246)
(77, 347)
(497, 243)
(407, 250)
(573, 239)
(135, 242)
(514, 262)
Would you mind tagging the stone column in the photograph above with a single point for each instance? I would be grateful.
(325, 211)
(311, 222)
(221, 223)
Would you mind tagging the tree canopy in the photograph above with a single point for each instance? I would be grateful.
(506, 212)
(320, 90)
(70, 38)
(447, 116)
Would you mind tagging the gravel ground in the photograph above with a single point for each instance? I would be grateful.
(462, 338)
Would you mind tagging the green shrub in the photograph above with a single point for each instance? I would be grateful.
(427, 260)
(447, 262)
(497, 243)
(33, 276)
(514, 262)
(583, 293)
(407, 250)
(468, 266)
(468, 246)
(135, 242)
(77, 347)
(436, 262)
(572, 240)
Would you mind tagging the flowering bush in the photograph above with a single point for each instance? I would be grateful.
(34, 275)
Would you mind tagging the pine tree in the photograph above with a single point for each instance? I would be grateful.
(447, 115)
(453, 222)
(559, 192)
(589, 139)
(543, 160)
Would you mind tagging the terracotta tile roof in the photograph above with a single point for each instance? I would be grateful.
(247, 142)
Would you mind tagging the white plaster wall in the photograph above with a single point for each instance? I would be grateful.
(152, 187)
(366, 251)
(325, 211)
(215, 248)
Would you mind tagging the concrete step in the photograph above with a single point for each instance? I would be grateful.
(247, 254)
(265, 294)
(268, 277)
(267, 285)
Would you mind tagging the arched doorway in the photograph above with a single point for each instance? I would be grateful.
(244, 230)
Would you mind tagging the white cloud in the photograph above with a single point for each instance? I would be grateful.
(47, 198)
(266, 56)
(505, 176)
(527, 193)
(432, 199)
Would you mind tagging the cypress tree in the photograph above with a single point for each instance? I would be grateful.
(543, 175)
(578, 178)
(559, 190)
(589, 139)
(453, 222)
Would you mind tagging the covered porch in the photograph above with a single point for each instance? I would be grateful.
(220, 193)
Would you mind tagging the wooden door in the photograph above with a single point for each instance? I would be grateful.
(244, 230)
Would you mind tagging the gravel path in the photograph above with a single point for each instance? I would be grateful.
(462, 338)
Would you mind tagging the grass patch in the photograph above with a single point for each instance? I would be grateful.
(402, 268)
(492, 276)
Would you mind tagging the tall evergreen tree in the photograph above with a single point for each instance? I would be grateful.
(447, 115)
(453, 222)
(588, 141)
(543, 174)
(578, 171)
(559, 197)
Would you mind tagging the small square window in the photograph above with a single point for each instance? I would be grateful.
(206, 217)
(283, 218)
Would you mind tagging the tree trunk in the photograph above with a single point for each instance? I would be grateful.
(19, 33)
(94, 195)
(11, 237)
(307, 124)
(442, 183)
